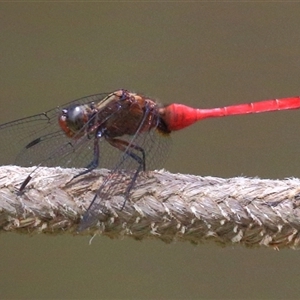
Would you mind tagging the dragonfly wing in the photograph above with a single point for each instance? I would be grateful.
(18, 134)
(156, 149)
(40, 138)
(110, 184)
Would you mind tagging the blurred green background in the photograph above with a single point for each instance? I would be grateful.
(200, 54)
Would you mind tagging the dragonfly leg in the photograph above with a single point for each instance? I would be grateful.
(141, 160)
(94, 163)
(125, 147)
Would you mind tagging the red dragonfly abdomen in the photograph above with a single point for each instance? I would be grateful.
(178, 116)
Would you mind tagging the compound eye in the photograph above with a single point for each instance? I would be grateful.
(75, 117)
(75, 114)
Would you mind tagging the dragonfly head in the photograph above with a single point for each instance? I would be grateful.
(73, 119)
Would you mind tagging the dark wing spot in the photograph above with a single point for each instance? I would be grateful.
(32, 143)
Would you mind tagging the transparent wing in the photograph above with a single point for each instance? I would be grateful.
(156, 147)
(38, 140)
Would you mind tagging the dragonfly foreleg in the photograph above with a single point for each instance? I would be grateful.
(94, 163)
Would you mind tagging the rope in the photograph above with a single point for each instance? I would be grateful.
(170, 207)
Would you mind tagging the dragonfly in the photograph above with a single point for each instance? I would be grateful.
(120, 130)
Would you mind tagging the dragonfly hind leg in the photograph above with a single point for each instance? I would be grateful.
(125, 147)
